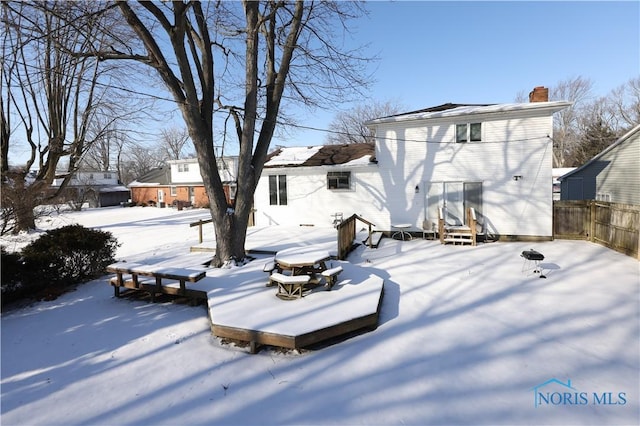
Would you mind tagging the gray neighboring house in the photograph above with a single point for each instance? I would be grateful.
(98, 188)
(613, 175)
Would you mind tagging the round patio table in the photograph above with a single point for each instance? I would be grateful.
(401, 230)
(302, 260)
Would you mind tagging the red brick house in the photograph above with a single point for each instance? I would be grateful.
(180, 180)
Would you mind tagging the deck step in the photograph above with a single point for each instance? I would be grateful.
(459, 234)
(466, 239)
(363, 236)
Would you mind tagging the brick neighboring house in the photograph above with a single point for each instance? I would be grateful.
(180, 180)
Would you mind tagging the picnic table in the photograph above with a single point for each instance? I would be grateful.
(302, 260)
(302, 263)
(158, 272)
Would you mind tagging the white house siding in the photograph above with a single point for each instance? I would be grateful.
(181, 177)
(309, 202)
(228, 167)
(407, 158)
(84, 178)
(416, 152)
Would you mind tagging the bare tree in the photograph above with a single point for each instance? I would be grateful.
(50, 96)
(286, 50)
(566, 122)
(106, 142)
(625, 103)
(140, 159)
(595, 135)
(173, 142)
(348, 126)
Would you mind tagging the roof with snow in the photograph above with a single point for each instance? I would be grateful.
(324, 155)
(455, 110)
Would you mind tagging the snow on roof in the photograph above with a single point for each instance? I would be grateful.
(327, 155)
(292, 156)
(455, 110)
(118, 188)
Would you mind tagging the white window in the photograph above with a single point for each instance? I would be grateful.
(278, 190)
(600, 196)
(107, 175)
(468, 132)
(183, 167)
(174, 191)
(339, 180)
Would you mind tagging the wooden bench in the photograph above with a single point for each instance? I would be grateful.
(182, 275)
(331, 275)
(289, 286)
(269, 267)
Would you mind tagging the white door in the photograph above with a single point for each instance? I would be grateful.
(160, 196)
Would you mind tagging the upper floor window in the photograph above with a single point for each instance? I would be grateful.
(339, 180)
(183, 167)
(278, 190)
(468, 132)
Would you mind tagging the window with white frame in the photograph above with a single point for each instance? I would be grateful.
(278, 190)
(107, 175)
(603, 196)
(174, 191)
(183, 167)
(339, 180)
(468, 132)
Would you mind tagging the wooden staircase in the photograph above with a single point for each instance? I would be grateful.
(462, 234)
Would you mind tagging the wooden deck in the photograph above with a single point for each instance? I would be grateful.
(241, 307)
(352, 304)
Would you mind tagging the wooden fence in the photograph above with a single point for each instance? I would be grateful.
(616, 226)
(347, 233)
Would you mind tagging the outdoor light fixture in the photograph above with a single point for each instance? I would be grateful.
(417, 189)
(517, 177)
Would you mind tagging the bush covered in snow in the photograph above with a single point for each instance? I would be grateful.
(59, 258)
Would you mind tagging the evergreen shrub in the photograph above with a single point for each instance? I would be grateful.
(68, 255)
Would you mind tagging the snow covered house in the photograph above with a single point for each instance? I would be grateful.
(181, 181)
(495, 158)
(310, 185)
(612, 175)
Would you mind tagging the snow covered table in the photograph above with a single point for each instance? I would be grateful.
(182, 275)
(302, 260)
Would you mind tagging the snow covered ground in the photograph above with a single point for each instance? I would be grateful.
(465, 337)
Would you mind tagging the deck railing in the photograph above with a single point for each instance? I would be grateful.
(347, 233)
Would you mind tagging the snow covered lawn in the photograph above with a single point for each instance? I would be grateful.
(465, 337)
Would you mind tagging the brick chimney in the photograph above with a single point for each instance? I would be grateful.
(539, 94)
